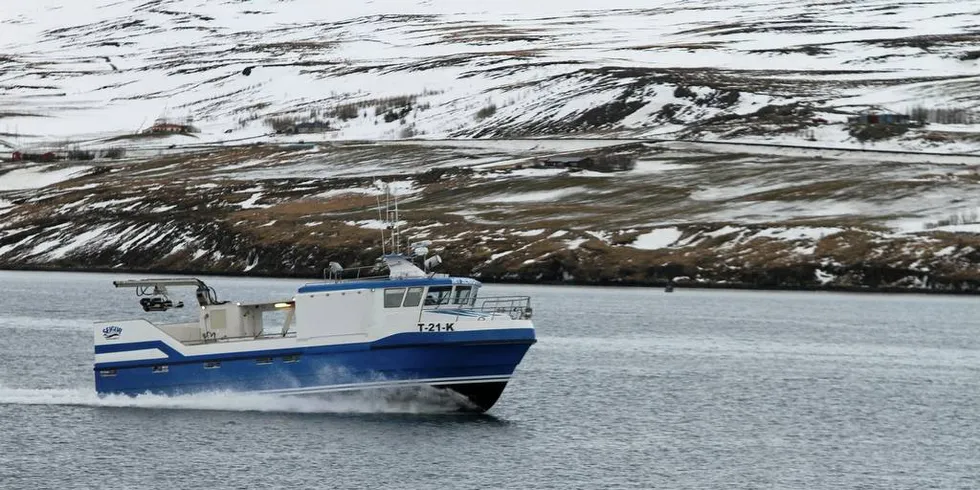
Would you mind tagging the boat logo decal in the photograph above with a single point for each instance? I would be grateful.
(112, 332)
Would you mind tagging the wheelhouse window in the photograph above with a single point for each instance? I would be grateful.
(212, 365)
(262, 361)
(413, 297)
(393, 297)
(291, 358)
(462, 295)
(161, 369)
(438, 295)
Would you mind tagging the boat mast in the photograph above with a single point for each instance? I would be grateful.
(381, 220)
(393, 219)
(388, 216)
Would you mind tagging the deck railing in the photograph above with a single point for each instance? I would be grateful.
(355, 273)
(514, 307)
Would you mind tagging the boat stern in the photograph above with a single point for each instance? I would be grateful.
(126, 343)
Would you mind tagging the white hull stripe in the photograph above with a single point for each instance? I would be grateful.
(386, 384)
(130, 355)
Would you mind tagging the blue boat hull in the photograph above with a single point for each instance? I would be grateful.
(474, 364)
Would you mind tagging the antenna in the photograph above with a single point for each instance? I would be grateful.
(393, 218)
(381, 219)
(388, 216)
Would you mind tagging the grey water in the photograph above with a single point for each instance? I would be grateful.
(626, 388)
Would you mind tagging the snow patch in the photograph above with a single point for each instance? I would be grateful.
(602, 236)
(250, 202)
(823, 277)
(373, 224)
(397, 188)
(657, 239)
(80, 241)
(177, 248)
(798, 233)
(500, 254)
(536, 196)
(656, 167)
(35, 178)
(113, 202)
(725, 230)
(967, 228)
(44, 246)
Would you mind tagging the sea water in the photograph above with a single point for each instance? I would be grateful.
(626, 388)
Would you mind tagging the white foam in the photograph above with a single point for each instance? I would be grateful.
(430, 401)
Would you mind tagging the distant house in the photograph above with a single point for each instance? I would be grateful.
(48, 156)
(307, 127)
(879, 124)
(162, 126)
(565, 162)
(873, 118)
(616, 162)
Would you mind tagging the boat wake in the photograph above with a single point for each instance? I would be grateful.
(345, 403)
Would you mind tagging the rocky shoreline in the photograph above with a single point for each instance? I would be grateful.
(764, 280)
(967, 290)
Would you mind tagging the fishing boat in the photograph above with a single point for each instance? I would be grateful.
(408, 329)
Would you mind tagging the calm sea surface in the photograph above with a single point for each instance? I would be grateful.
(626, 388)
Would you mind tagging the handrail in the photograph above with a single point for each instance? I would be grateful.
(240, 338)
(356, 271)
(429, 275)
(516, 307)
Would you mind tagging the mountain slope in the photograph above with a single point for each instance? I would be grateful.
(91, 70)
(503, 210)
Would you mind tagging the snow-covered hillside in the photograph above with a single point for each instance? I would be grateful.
(90, 70)
(482, 96)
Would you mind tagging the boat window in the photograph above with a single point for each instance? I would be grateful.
(263, 361)
(462, 295)
(438, 295)
(393, 297)
(161, 369)
(212, 365)
(107, 373)
(414, 297)
(291, 358)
